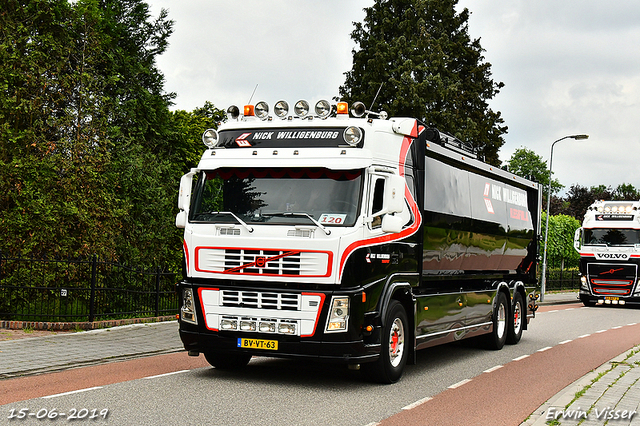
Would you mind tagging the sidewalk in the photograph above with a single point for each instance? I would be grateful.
(38, 355)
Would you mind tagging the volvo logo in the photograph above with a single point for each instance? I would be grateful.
(612, 256)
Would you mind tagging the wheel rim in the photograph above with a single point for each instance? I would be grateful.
(396, 342)
(517, 318)
(501, 322)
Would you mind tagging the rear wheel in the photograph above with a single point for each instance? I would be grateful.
(227, 361)
(394, 349)
(498, 336)
(517, 320)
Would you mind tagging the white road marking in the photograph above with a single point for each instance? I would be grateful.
(72, 392)
(460, 383)
(492, 369)
(417, 403)
(166, 374)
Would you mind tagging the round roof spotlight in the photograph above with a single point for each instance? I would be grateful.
(301, 108)
(210, 138)
(352, 135)
(281, 109)
(383, 115)
(323, 108)
(233, 112)
(262, 110)
(358, 109)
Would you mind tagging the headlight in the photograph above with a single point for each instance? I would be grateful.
(233, 112)
(352, 135)
(188, 310)
(301, 108)
(210, 138)
(583, 283)
(281, 109)
(339, 314)
(262, 110)
(323, 108)
(358, 109)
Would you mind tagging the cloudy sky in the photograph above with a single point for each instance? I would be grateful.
(569, 67)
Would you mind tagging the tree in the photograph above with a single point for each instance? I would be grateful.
(529, 165)
(562, 229)
(86, 155)
(418, 58)
(626, 192)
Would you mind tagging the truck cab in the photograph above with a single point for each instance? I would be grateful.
(609, 247)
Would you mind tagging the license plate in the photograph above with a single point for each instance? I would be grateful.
(611, 298)
(271, 345)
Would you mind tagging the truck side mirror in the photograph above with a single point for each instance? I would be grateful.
(181, 219)
(392, 223)
(184, 196)
(394, 194)
(576, 239)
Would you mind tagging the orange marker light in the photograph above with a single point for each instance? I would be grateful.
(342, 108)
(248, 111)
(364, 297)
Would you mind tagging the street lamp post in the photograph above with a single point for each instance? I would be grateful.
(546, 229)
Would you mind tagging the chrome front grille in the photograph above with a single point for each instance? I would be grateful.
(261, 300)
(263, 262)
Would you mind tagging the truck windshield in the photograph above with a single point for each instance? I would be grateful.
(278, 196)
(611, 237)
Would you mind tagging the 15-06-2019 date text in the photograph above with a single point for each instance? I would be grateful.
(54, 414)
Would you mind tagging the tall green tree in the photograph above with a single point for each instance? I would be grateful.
(86, 155)
(418, 58)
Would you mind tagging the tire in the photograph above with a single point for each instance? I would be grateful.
(227, 361)
(498, 336)
(517, 319)
(394, 348)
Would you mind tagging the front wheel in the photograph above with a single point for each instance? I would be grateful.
(517, 320)
(227, 361)
(497, 338)
(394, 349)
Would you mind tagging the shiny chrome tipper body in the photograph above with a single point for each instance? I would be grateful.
(350, 238)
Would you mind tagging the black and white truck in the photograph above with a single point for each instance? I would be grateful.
(345, 236)
(609, 247)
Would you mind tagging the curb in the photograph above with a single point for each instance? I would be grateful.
(70, 326)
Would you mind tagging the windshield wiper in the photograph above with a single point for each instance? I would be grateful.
(300, 214)
(240, 221)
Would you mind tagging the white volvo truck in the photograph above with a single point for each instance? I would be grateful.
(609, 247)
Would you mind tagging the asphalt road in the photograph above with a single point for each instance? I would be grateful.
(453, 384)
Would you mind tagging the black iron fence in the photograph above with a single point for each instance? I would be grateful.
(562, 279)
(78, 290)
